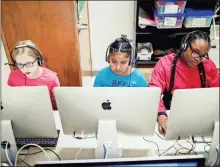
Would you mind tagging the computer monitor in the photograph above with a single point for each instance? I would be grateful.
(99, 110)
(183, 161)
(30, 111)
(214, 148)
(193, 113)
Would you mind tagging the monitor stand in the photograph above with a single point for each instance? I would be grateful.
(107, 140)
(7, 136)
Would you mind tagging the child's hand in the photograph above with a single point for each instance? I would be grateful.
(162, 124)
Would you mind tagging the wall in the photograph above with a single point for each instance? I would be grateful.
(84, 41)
(108, 20)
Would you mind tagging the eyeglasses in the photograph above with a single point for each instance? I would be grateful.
(197, 55)
(28, 64)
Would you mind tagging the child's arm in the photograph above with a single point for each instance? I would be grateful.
(158, 80)
(53, 100)
(214, 80)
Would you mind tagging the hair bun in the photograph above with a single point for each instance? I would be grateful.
(124, 38)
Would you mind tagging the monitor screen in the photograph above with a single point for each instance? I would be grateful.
(191, 164)
(171, 161)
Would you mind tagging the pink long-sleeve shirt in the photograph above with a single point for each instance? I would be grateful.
(185, 77)
(48, 78)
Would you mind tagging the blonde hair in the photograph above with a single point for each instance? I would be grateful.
(28, 51)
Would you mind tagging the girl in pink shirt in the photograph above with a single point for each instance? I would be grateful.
(27, 57)
(190, 68)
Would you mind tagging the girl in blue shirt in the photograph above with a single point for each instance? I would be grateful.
(120, 73)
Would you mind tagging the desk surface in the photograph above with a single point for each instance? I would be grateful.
(132, 146)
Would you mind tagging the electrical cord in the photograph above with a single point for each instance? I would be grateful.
(207, 144)
(168, 148)
(12, 156)
(47, 149)
(105, 151)
(16, 159)
(159, 135)
(190, 150)
(6, 153)
(24, 162)
(173, 146)
(205, 141)
(217, 158)
(205, 149)
(154, 143)
(76, 156)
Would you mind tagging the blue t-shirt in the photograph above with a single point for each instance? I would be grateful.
(107, 78)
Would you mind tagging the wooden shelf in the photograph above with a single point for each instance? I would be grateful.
(146, 62)
(164, 39)
(169, 31)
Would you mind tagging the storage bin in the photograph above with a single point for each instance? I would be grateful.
(198, 18)
(168, 20)
(170, 6)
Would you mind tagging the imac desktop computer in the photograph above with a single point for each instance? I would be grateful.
(107, 111)
(30, 112)
(193, 113)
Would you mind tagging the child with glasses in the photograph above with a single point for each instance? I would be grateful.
(27, 57)
(190, 68)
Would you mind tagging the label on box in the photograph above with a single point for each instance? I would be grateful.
(170, 21)
(198, 22)
(171, 9)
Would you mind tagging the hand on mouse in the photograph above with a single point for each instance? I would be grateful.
(162, 124)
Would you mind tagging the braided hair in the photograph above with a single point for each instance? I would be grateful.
(121, 45)
(188, 39)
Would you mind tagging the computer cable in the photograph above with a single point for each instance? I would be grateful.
(105, 151)
(6, 152)
(76, 156)
(173, 146)
(217, 158)
(24, 162)
(16, 159)
(12, 156)
(207, 144)
(190, 150)
(205, 149)
(205, 141)
(159, 135)
(185, 153)
(157, 151)
(46, 149)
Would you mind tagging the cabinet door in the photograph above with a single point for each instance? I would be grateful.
(52, 25)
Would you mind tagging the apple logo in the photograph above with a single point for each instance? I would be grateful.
(106, 105)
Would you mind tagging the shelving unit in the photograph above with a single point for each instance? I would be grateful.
(164, 39)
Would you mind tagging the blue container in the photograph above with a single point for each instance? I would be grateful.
(168, 20)
(198, 18)
(170, 6)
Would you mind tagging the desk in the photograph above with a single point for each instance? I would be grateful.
(130, 146)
